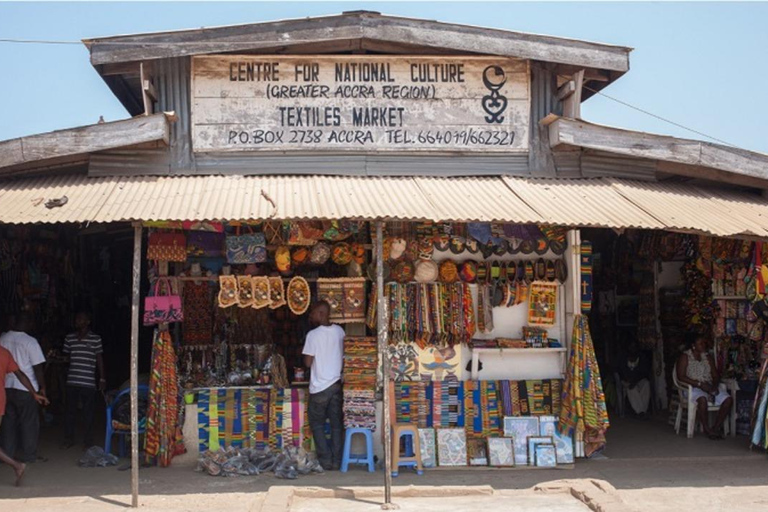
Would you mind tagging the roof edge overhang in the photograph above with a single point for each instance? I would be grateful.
(675, 156)
(119, 56)
(72, 146)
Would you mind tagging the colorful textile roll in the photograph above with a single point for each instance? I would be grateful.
(586, 277)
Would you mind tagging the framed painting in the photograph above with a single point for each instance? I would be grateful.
(428, 447)
(545, 456)
(501, 451)
(532, 442)
(477, 451)
(451, 447)
(520, 429)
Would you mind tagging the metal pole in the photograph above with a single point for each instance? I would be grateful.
(382, 317)
(135, 366)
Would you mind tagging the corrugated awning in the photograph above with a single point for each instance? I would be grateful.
(599, 202)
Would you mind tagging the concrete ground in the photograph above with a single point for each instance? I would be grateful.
(649, 467)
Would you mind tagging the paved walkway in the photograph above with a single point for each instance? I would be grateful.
(650, 468)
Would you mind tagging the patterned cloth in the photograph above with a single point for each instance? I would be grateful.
(360, 364)
(583, 401)
(163, 439)
(197, 328)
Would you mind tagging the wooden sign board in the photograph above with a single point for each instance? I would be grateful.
(360, 103)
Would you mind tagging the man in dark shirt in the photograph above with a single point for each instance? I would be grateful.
(85, 356)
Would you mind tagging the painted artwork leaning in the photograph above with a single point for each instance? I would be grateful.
(440, 363)
(403, 362)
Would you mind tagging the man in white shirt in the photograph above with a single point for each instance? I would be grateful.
(21, 425)
(323, 355)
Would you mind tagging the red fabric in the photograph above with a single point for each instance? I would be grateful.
(7, 365)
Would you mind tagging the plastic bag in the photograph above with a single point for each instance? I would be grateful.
(95, 456)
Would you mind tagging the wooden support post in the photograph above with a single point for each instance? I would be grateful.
(572, 96)
(137, 229)
(383, 333)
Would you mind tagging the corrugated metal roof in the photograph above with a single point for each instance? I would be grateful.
(598, 202)
(580, 202)
(481, 199)
(683, 207)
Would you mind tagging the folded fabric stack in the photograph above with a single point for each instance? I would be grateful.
(360, 364)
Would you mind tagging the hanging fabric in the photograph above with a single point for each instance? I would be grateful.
(163, 439)
(583, 409)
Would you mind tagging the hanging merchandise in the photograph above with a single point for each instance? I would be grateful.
(228, 291)
(468, 271)
(262, 296)
(430, 314)
(159, 308)
(561, 271)
(245, 298)
(248, 248)
(542, 303)
(283, 259)
(358, 253)
(276, 292)
(320, 253)
(296, 235)
(586, 276)
(583, 409)
(346, 296)
(449, 272)
(205, 244)
(197, 299)
(298, 295)
(167, 246)
(426, 271)
(341, 253)
(299, 256)
(403, 271)
(397, 248)
(426, 248)
(163, 439)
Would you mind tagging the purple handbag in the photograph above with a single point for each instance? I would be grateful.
(160, 309)
(205, 244)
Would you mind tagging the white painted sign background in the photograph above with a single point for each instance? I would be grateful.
(362, 103)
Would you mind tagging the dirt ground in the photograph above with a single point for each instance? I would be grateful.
(650, 467)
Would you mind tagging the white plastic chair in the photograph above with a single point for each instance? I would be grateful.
(685, 401)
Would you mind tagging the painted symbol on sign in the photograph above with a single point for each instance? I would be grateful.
(495, 103)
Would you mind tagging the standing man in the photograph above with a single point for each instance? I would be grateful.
(85, 356)
(21, 427)
(323, 355)
(8, 366)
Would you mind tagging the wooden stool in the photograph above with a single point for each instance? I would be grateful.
(412, 460)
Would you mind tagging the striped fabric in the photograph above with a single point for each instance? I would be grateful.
(82, 359)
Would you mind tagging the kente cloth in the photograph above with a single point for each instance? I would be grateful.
(447, 404)
(198, 305)
(276, 403)
(359, 409)
(586, 277)
(163, 434)
(506, 398)
(542, 303)
(360, 366)
(233, 417)
(583, 411)
(539, 397)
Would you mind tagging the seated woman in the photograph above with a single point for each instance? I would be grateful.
(696, 367)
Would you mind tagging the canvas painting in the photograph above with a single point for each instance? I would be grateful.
(501, 451)
(403, 362)
(542, 303)
(564, 448)
(534, 441)
(440, 363)
(451, 447)
(477, 452)
(428, 447)
(547, 426)
(545, 456)
(520, 429)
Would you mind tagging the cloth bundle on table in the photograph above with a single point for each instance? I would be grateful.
(360, 365)
(583, 410)
(163, 439)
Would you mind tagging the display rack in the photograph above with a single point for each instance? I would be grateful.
(502, 352)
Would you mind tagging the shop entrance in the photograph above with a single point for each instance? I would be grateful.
(653, 293)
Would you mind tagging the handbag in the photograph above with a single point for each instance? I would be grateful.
(205, 244)
(160, 309)
(249, 248)
(165, 246)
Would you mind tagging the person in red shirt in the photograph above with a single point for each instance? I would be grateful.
(7, 366)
